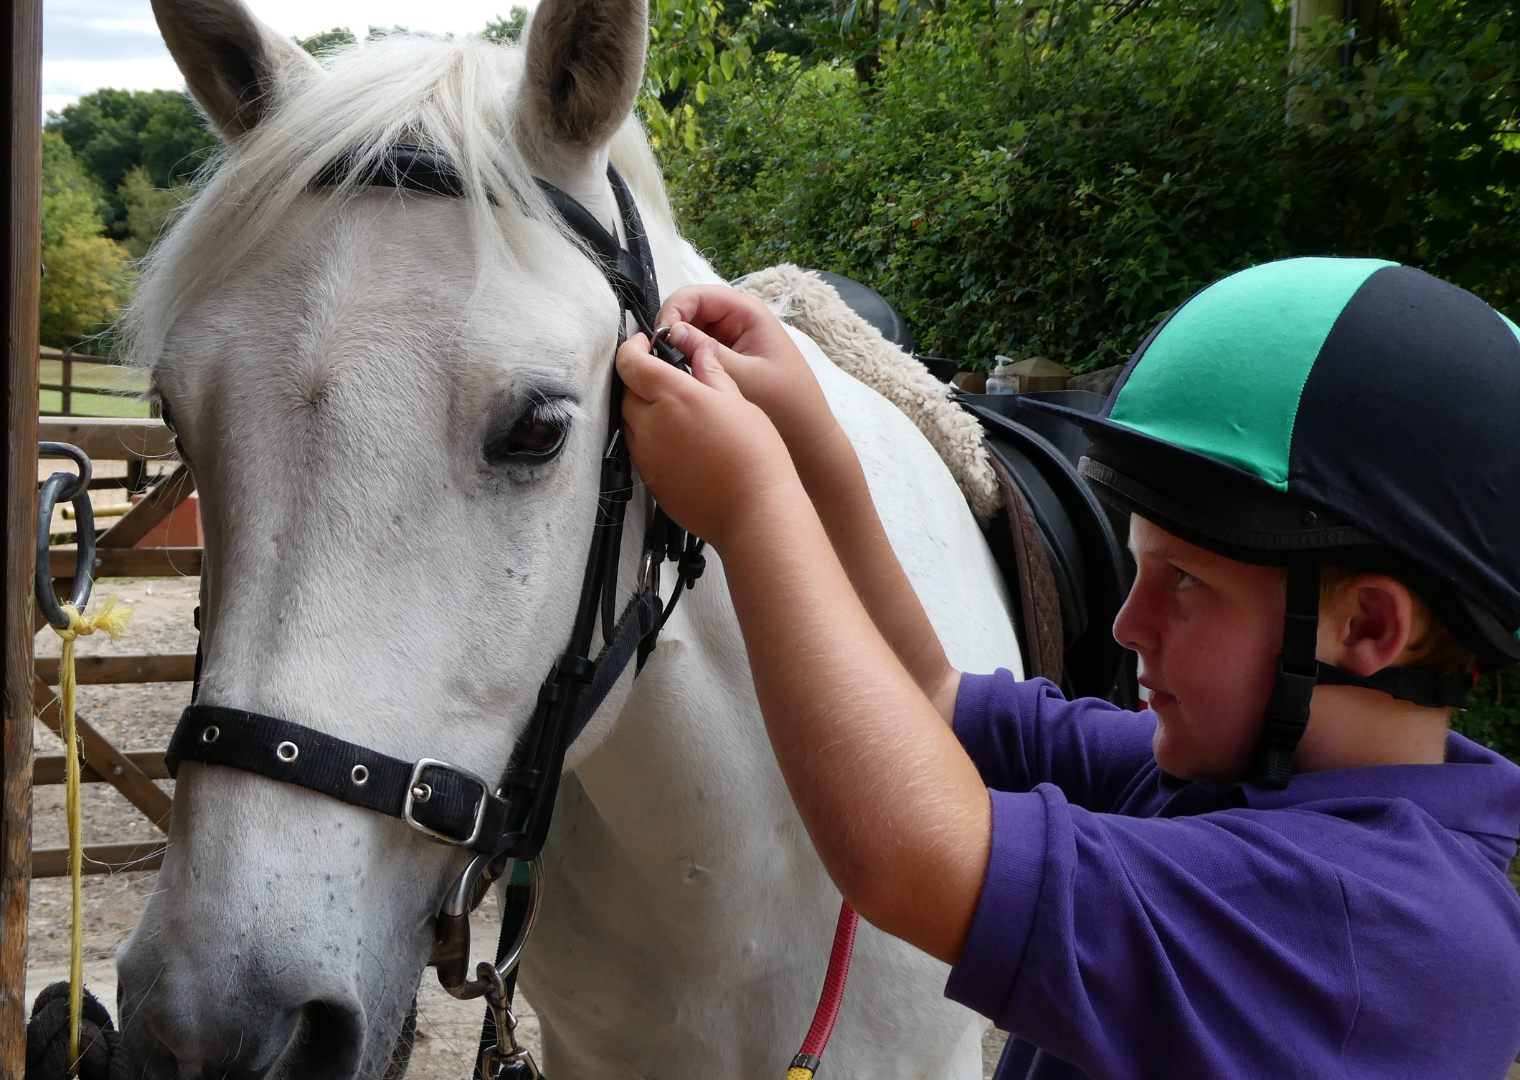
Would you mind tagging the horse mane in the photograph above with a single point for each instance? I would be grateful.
(457, 96)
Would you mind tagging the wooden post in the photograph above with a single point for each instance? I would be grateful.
(67, 395)
(22, 165)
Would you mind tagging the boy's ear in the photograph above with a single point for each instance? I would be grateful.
(1367, 624)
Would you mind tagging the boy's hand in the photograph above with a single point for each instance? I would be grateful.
(711, 457)
(756, 351)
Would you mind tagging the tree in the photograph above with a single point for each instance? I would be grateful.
(150, 209)
(327, 41)
(502, 30)
(112, 132)
(85, 275)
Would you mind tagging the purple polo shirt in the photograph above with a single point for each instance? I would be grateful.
(1358, 924)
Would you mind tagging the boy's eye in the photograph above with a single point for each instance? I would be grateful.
(1185, 580)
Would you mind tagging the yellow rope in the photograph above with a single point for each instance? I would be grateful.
(795, 1073)
(112, 619)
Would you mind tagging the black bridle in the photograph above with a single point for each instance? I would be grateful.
(508, 820)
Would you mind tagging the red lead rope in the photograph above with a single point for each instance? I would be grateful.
(806, 1063)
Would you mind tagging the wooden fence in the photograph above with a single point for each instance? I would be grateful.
(87, 385)
(132, 774)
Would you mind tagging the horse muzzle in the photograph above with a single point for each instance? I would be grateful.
(259, 1031)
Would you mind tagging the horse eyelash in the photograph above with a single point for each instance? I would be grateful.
(557, 410)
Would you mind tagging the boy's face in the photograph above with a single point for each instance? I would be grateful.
(1208, 631)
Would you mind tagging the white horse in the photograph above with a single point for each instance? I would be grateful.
(334, 362)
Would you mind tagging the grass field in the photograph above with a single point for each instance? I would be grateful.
(87, 377)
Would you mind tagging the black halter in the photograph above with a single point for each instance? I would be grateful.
(511, 818)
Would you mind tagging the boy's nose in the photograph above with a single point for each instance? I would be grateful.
(1132, 628)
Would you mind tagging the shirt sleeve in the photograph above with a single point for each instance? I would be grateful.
(1148, 947)
(1021, 734)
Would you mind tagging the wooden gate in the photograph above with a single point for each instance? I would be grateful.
(132, 774)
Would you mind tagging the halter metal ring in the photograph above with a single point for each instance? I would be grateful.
(649, 572)
(416, 785)
(484, 980)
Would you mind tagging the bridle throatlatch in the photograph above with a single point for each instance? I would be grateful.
(507, 821)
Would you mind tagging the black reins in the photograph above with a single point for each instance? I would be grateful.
(508, 820)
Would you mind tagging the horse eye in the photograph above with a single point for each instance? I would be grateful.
(533, 437)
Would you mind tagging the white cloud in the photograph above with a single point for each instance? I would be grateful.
(87, 44)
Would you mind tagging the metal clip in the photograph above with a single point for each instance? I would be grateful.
(508, 1059)
(661, 347)
(649, 572)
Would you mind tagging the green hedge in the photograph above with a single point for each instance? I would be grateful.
(1053, 178)
(1492, 716)
(1037, 180)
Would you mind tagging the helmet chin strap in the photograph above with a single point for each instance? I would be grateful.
(1299, 672)
(1287, 712)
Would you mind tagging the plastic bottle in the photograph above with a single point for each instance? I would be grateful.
(1003, 380)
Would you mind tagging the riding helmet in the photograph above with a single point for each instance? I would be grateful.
(1318, 411)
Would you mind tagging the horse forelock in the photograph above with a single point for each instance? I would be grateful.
(458, 97)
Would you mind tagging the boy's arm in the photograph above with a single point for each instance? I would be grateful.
(888, 796)
(770, 372)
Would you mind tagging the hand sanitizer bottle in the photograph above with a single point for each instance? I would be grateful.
(1003, 380)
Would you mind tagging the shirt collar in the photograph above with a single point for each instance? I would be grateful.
(1476, 792)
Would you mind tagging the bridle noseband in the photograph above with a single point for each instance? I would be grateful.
(508, 820)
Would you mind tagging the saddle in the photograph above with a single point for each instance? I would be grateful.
(1060, 550)
(1057, 546)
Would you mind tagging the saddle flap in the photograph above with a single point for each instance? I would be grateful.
(1082, 558)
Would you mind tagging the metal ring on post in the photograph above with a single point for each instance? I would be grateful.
(59, 486)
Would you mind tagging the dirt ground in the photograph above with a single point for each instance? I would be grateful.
(142, 717)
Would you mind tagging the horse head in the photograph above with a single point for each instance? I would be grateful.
(394, 405)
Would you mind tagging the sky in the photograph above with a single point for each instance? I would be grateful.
(88, 44)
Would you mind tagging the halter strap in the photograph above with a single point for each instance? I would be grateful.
(458, 806)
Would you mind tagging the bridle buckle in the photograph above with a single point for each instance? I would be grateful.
(416, 784)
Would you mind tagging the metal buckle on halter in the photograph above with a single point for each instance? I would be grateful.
(419, 792)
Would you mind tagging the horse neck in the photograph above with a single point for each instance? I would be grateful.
(690, 721)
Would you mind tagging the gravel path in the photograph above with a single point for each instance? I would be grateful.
(142, 717)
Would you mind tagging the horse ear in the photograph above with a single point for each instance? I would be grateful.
(585, 62)
(232, 63)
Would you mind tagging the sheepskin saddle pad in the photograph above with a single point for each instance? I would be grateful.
(808, 303)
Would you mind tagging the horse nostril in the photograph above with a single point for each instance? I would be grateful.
(328, 1041)
(320, 1040)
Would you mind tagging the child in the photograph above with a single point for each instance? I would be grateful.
(1287, 867)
